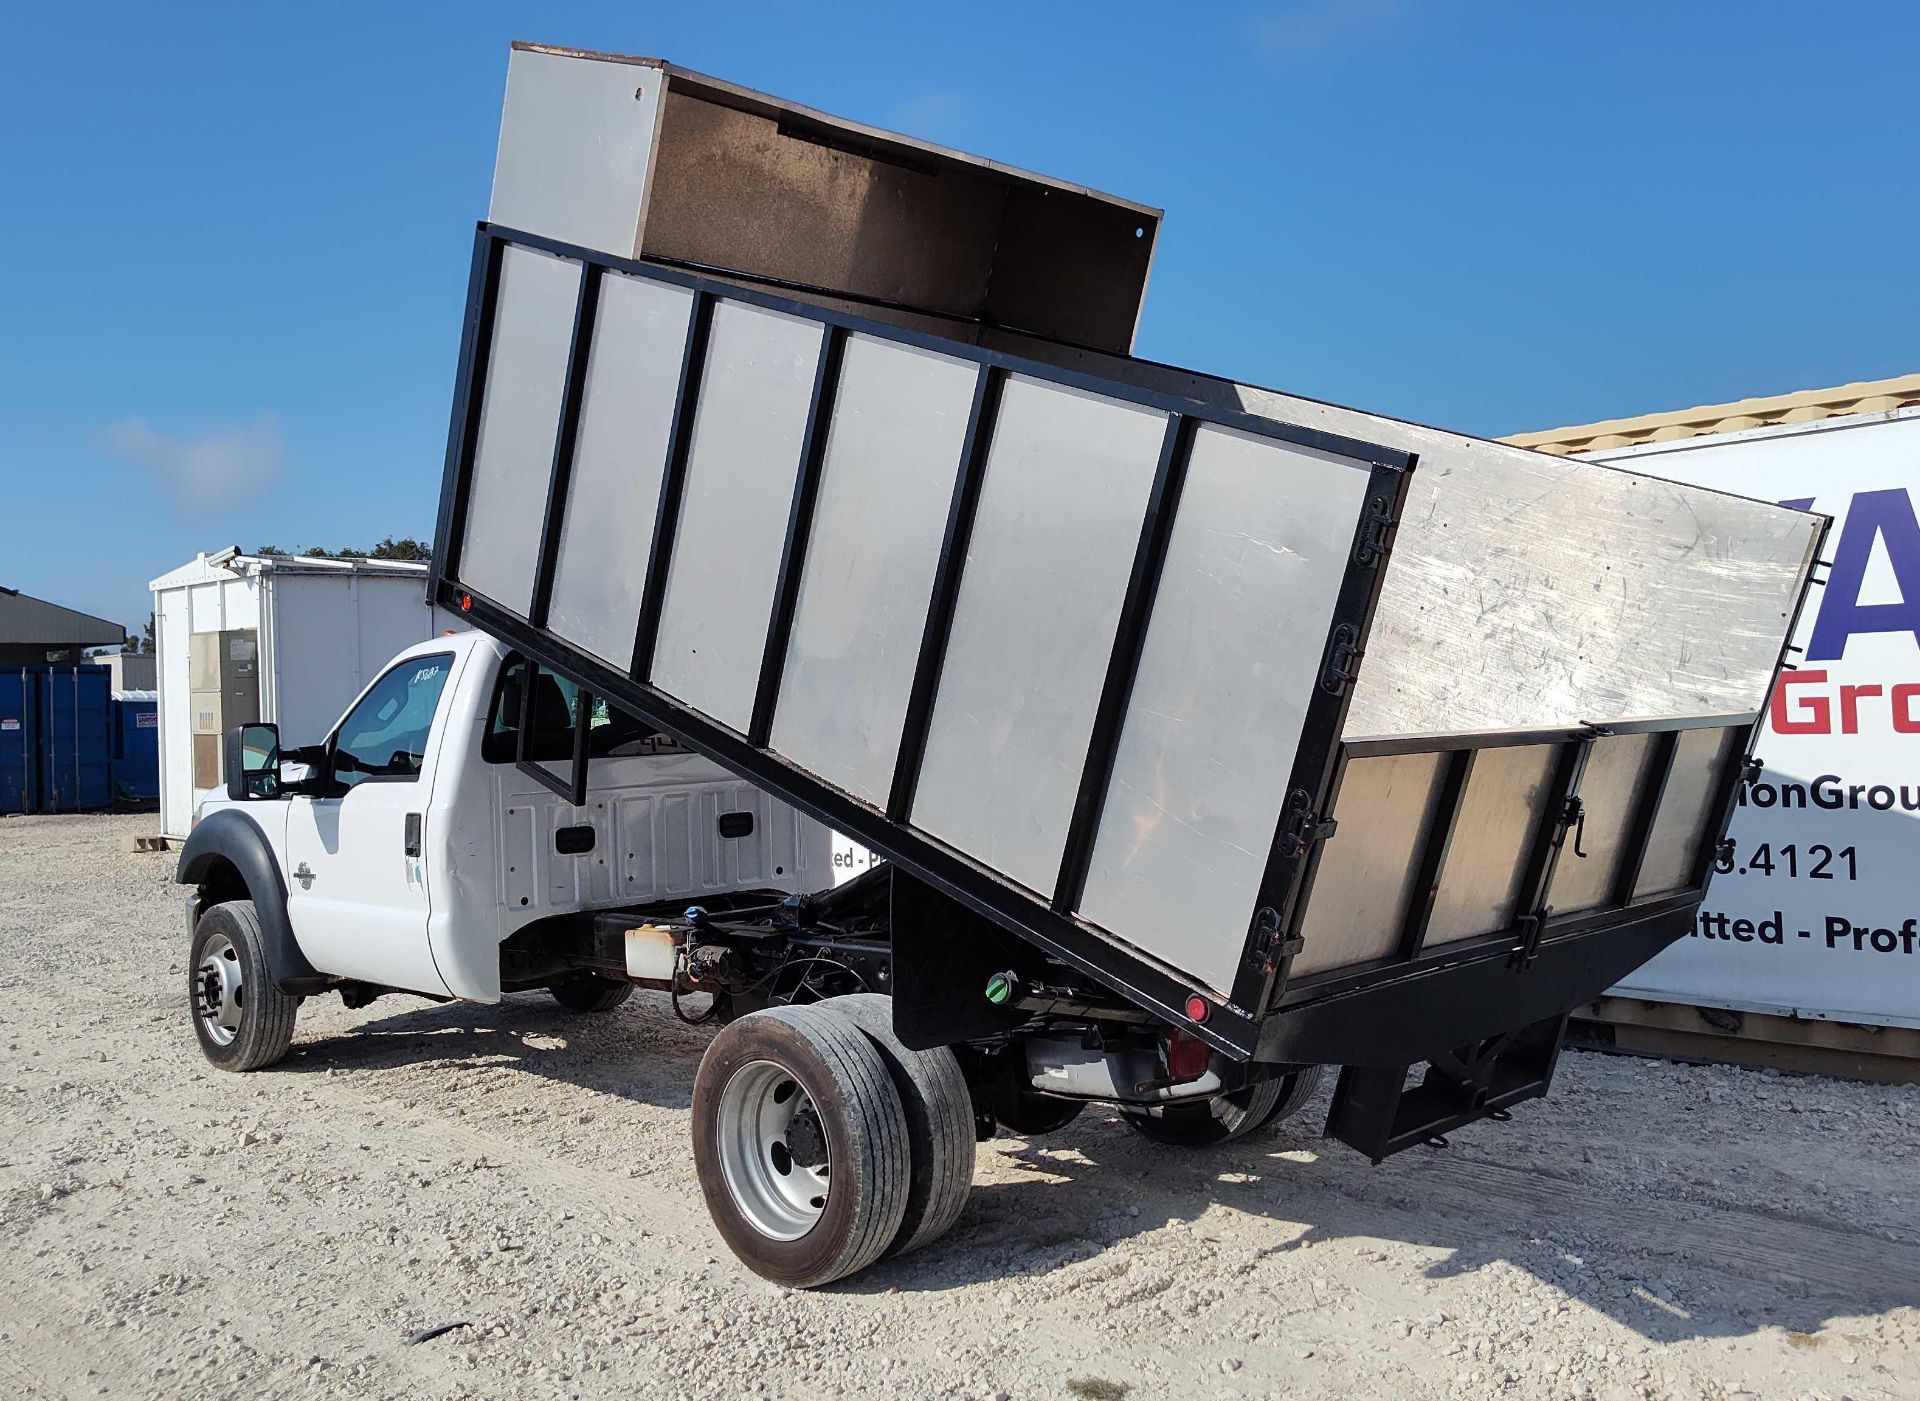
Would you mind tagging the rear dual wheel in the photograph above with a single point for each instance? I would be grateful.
(939, 1112)
(823, 1144)
(1223, 1118)
(1029, 1114)
(588, 992)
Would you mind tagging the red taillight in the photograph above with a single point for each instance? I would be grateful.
(1187, 1057)
(1198, 1008)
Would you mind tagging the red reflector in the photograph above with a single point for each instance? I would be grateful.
(1186, 1057)
(466, 603)
(1198, 1008)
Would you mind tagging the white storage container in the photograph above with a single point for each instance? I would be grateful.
(315, 631)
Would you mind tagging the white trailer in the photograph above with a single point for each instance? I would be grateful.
(1816, 917)
(302, 636)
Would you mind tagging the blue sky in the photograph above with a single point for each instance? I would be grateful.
(234, 242)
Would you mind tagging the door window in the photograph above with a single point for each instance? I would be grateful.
(384, 737)
(554, 711)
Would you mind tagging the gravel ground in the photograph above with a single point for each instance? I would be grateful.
(168, 1230)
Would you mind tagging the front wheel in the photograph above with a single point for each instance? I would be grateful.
(801, 1145)
(242, 1019)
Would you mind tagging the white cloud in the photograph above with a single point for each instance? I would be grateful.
(1314, 26)
(930, 115)
(223, 465)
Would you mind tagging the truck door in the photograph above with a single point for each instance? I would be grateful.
(357, 884)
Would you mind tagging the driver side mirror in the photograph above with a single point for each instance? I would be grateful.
(253, 762)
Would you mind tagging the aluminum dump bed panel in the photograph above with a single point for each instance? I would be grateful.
(1075, 653)
(1617, 596)
(1620, 597)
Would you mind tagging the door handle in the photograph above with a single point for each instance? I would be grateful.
(414, 823)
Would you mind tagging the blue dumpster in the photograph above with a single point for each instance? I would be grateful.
(136, 749)
(56, 744)
(76, 743)
(19, 755)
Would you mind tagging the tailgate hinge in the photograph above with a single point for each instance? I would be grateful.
(1375, 534)
(1301, 826)
(1342, 668)
(1270, 945)
(1532, 927)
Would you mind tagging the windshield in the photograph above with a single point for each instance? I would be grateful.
(385, 735)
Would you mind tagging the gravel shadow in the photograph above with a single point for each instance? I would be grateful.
(648, 1057)
(1097, 1189)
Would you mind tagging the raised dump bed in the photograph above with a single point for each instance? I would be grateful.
(1074, 639)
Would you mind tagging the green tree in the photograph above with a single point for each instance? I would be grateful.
(404, 548)
(144, 643)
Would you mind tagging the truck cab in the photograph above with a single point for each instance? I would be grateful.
(413, 841)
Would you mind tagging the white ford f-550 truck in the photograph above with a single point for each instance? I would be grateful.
(800, 477)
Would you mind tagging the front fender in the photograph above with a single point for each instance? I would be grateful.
(229, 834)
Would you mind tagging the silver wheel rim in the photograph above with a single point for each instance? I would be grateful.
(217, 993)
(773, 1150)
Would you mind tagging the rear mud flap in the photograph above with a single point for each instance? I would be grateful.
(1377, 1112)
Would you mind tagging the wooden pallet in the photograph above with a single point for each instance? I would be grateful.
(1711, 1035)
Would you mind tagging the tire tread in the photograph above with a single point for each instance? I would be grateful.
(939, 1110)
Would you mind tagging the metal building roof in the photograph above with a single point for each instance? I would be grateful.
(28, 620)
(231, 563)
(1867, 396)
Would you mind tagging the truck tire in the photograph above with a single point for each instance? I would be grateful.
(800, 1142)
(1235, 1114)
(939, 1109)
(1028, 1114)
(585, 992)
(1296, 1089)
(241, 1018)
